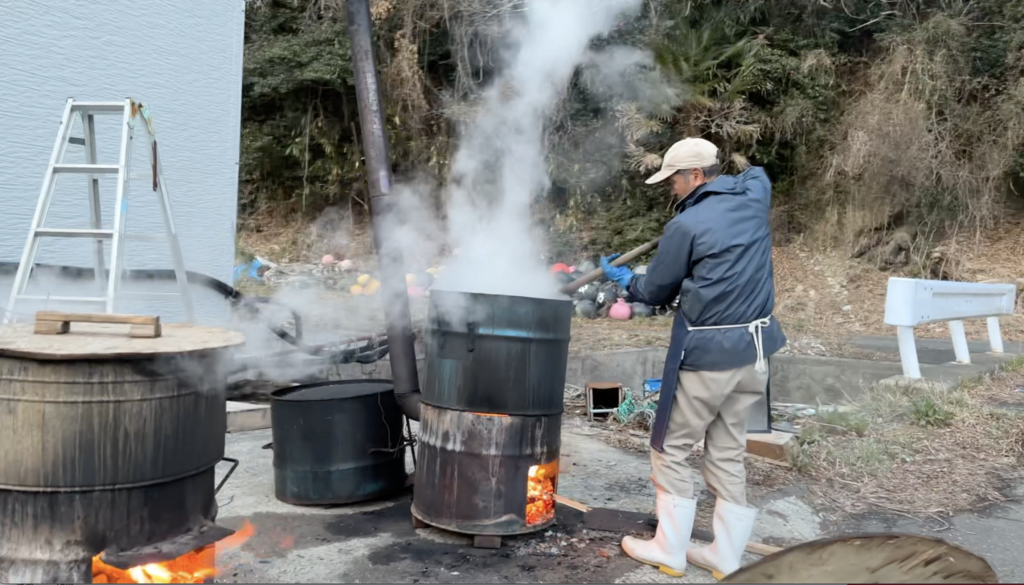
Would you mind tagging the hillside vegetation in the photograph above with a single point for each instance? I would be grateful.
(886, 125)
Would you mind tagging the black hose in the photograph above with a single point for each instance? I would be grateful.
(373, 350)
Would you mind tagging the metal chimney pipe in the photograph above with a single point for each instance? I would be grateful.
(382, 202)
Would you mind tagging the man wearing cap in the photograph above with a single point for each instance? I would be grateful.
(716, 254)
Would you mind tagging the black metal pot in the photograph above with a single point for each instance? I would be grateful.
(337, 442)
(497, 353)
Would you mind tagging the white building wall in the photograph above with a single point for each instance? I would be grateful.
(184, 59)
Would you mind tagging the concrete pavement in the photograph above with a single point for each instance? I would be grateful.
(375, 542)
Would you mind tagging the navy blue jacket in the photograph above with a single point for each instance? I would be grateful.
(716, 254)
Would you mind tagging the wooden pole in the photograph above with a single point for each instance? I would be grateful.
(598, 273)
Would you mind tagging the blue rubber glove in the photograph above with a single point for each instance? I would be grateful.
(621, 275)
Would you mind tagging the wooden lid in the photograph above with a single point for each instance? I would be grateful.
(100, 341)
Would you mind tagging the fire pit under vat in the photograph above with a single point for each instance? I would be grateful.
(109, 444)
(491, 416)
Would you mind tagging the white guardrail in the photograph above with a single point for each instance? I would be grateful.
(910, 302)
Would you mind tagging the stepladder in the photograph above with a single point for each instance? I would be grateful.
(108, 279)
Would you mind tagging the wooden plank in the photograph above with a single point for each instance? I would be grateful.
(145, 330)
(756, 445)
(97, 318)
(778, 445)
(59, 323)
(51, 327)
(571, 503)
(103, 341)
(762, 549)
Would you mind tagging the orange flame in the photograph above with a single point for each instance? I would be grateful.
(540, 493)
(194, 567)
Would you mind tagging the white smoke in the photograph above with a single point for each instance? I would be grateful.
(500, 166)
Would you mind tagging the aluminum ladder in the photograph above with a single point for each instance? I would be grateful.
(130, 111)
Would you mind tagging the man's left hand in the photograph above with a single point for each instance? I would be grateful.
(621, 275)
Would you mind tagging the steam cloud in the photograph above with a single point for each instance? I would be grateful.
(500, 167)
(498, 170)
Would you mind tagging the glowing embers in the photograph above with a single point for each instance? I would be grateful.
(540, 493)
(198, 566)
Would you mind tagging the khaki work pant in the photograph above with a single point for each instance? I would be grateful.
(712, 406)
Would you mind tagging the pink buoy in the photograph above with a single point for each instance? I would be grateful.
(327, 260)
(620, 310)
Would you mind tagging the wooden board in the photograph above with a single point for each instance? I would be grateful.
(59, 323)
(873, 558)
(101, 341)
(97, 318)
(777, 445)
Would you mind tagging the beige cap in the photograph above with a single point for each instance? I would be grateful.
(689, 153)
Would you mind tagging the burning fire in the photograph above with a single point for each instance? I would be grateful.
(540, 493)
(197, 566)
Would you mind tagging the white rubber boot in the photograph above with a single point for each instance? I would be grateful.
(732, 526)
(667, 550)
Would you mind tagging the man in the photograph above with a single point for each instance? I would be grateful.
(716, 254)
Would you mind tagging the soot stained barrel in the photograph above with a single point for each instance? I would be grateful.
(497, 354)
(490, 424)
(337, 442)
(108, 442)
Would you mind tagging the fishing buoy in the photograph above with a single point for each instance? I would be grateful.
(620, 310)
(586, 309)
(560, 267)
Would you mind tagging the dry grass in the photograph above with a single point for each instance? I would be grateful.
(920, 140)
(827, 296)
(918, 451)
(293, 239)
(609, 334)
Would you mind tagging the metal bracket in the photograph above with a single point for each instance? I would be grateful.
(402, 443)
(472, 327)
(234, 465)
